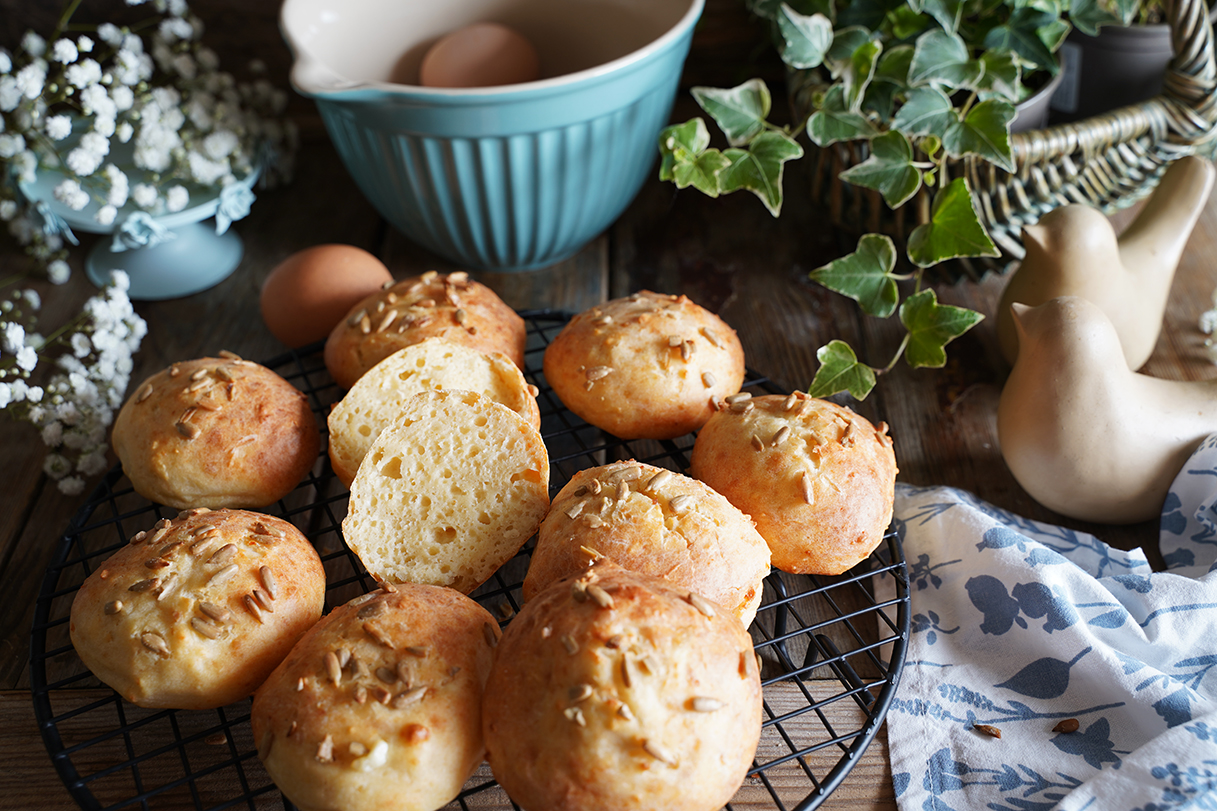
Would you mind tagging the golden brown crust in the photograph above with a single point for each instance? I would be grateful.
(195, 613)
(451, 306)
(216, 432)
(620, 691)
(818, 479)
(652, 520)
(379, 705)
(648, 366)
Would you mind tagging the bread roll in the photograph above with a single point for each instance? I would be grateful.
(451, 306)
(196, 612)
(449, 492)
(655, 521)
(436, 364)
(216, 432)
(378, 708)
(649, 366)
(619, 691)
(818, 479)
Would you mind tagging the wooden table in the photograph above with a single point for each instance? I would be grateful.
(728, 255)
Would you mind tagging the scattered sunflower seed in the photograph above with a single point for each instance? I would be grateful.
(575, 714)
(155, 643)
(409, 697)
(701, 604)
(215, 612)
(598, 372)
(659, 479)
(204, 627)
(580, 692)
(325, 750)
(706, 704)
(488, 633)
(114, 607)
(268, 582)
(222, 575)
(991, 731)
(601, 597)
(145, 585)
(332, 668)
(1068, 725)
(659, 753)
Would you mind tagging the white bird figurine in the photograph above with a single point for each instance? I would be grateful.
(1073, 251)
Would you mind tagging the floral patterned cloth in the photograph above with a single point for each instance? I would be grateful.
(1020, 625)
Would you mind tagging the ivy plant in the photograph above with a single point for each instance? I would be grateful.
(923, 83)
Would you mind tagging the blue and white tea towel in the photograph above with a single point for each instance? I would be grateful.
(1020, 625)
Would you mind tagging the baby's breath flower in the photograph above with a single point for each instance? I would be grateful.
(33, 44)
(64, 51)
(71, 194)
(71, 485)
(176, 198)
(58, 271)
(110, 34)
(106, 215)
(84, 44)
(6, 61)
(11, 145)
(58, 127)
(27, 358)
(144, 195)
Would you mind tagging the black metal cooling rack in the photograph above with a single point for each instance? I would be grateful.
(832, 648)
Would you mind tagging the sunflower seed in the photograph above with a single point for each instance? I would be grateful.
(780, 436)
(681, 503)
(252, 606)
(741, 407)
(602, 320)
(627, 672)
(409, 697)
(373, 609)
(222, 575)
(386, 321)
(809, 492)
(461, 316)
(377, 635)
(332, 668)
(167, 585)
(380, 695)
(659, 479)
(365, 324)
(659, 753)
(223, 555)
(623, 491)
(716, 402)
(738, 397)
(157, 563)
(991, 731)
(386, 675)
(712, 337)
(416, 733)
(575, 714)
(268, 582)
(145, 585)
(216, 739)
(224, 374)
(1066, 726)
(706, 704)
(356, 317)
(224, 353)
(187, 429)
(580, 692)
(533, 390)
(675, 341)
(578, 591)
(174, 370)
(595, 487)
(204, 627)
(403, 673)
(114, 607)
(593, 521)
(847, 438)
(598, 372)
(568, 642)
(264, 601)
(575, 509)
(709, 380)
(357, 749)
(701, 604)
(625, 712)
(614, 641)
(686, 350)
(215, 612)
(344, 657)
(300, 684)
(790, 402)
(488, 633)
(429, 276)
(361, 695)
(325, 750)
(155, 643)
(757, 444)
(419, 651)
(459, 277)
(601, 597)
(144, 393)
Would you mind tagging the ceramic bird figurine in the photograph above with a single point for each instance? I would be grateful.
(1074, 251)
(1082, 433)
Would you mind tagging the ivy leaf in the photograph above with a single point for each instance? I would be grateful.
(1020, 34)
(954, 229)
(1088, 15)
(805, 40)
(868, 14)
(858, 75)
(840, 371)
(865, 275)
(759, 168)
(931, 327)
(985, 131)
(894, 65)
(685, 159)
(926, 111)
(844, 42)
(946, 12)
(740, 111)
(890, 171)
(1002, 74)
(771, 9)
(941, 58)
(906, 22)
(833, 122)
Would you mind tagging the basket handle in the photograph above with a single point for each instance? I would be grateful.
(1180, 118)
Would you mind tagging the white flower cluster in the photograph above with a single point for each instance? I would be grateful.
(129, 120)
(1208, 325)
(89, 364)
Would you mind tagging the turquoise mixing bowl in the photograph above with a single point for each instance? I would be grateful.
(504, 178)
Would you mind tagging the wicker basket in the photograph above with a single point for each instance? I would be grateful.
(1109, 161)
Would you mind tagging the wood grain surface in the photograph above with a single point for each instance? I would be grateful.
(727, 254)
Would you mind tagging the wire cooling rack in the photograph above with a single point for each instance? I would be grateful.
(832, 648)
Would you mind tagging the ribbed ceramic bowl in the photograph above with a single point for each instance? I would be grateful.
(506, 178)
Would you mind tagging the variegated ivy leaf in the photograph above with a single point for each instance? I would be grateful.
(840, 371)
(857, 77)
(844, 42)
(759, 168)
(685, 159)
(739, 111)
(984, 131)
(1002, 74)
(894, 65)
(1021, 34)
(926, 111)
(805, 40)
(890, 171)
(865, 275)
(931, 327)
(941, 58)
(946, 12)
(832, 122)
(906, 22)
(954, 229)
(771, 9)
(890, 79)
(1088, 15)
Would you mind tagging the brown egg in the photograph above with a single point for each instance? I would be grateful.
(309, 292)
(480, 55)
